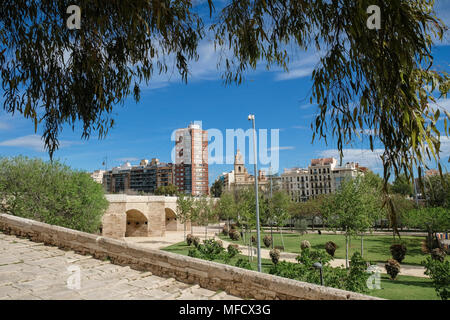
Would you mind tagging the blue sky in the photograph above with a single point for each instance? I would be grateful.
(143, 130)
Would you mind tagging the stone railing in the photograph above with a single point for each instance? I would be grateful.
(209, 275)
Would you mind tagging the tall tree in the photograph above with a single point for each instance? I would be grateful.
(402, 185)
(279, 206)
(227, 207)
(353, 208)
(184, 209)
(217, 188)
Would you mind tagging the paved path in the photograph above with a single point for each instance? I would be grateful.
(33, 271)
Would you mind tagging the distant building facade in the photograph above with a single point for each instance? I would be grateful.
(239, 177)
(145, 177)
(191, 160)
(322, 176)
(97, 176)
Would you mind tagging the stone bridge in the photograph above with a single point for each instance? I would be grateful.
(140, 216)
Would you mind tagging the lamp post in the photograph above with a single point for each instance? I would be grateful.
(251, 117)
(318, 265)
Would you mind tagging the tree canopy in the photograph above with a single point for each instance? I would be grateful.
(52, 193)
(377, 81)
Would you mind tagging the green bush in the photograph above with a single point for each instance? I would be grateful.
(51, 192)
(243, 263)
(354, 279)
(398, 252)
(232, 250)
(267, 241)
(392, 268)
(439, 273)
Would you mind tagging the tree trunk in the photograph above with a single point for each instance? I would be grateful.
(206, 231)
(185, 231)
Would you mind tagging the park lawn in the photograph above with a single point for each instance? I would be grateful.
(376, 247)
(404, 288)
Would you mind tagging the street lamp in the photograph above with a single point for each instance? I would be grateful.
(251, 117)
(318, 265)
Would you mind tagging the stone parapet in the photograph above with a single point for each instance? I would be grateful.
(209, 275)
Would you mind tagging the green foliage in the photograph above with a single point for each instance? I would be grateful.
(437, 191)
(226, 206)
(439, 272)
(51, 192)
(354, 207)
(233, 250)
(402, 186)
(243, 263)
(392, 268)
(354, 279)
(169, 190)
(184, 208)
(196, 241)
(216, 188)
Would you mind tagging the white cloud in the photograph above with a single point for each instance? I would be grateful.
(365, 157)
(445, 147)
(33, 142)
(282, 148)
(294, 74)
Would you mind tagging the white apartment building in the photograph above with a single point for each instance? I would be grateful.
(322, 176)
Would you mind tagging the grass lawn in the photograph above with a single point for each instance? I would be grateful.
(376, 247)
(404, 288)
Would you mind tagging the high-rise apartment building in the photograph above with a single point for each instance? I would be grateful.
(191, 160)
(145, 177)
(322, 176)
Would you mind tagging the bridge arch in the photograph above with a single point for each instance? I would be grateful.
(171, 220)
(136, 224)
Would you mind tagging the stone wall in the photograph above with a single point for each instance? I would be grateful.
(209, 275)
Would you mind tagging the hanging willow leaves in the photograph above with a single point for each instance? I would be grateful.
(381, 81)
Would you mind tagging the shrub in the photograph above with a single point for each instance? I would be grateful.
(267, 241)
(438, 254)
(274, 255)
(305, 244)
(398, 252)
(196, 241)
(392, 268)
(233, 250)
(243, 263)
(51, 192)
(281, 248)
(330, 248)
(353, 280)
(254, 240)
(235, 235)
(194, 253)
(439, 273)
(189, 239)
